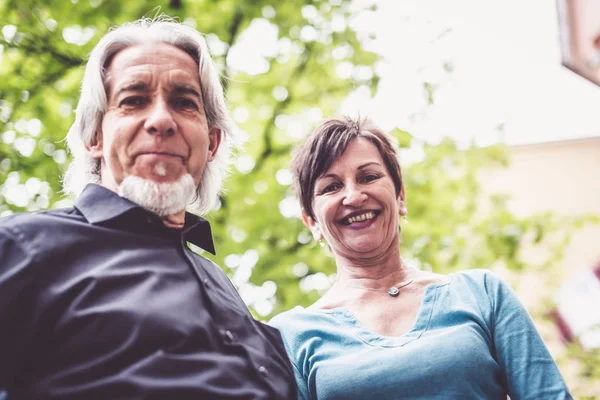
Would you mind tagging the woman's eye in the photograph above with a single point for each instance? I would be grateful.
(370, 178)
(330, 188)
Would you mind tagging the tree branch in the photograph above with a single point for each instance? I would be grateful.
(31, 48)
(53, 77)
(234, 28)
(280, 107)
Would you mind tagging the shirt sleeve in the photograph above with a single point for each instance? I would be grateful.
(303, 393)
(286, 327)
(529, 370)
(15, 277)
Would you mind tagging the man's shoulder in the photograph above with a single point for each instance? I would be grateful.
(34, 222)
(206, 263)
(213, 269)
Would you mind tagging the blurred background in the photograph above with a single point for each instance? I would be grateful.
(494, 106)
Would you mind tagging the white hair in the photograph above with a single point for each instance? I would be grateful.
(93, 104)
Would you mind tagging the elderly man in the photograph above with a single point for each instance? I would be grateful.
(105, 300)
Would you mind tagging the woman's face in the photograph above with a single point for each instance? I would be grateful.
(355, 203)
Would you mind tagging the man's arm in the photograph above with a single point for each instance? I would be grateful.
(16, 276)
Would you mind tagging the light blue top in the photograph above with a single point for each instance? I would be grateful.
(472, 339)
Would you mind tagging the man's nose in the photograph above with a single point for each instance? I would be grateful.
(160, 119)
(354, 196)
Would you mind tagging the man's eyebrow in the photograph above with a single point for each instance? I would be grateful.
(140, 86)
(186, 89)
(136, 86)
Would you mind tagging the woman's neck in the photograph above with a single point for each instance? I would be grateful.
(382, 270)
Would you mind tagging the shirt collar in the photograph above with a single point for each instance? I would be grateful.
(99, 204)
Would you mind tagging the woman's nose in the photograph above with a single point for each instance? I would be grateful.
(354, 196)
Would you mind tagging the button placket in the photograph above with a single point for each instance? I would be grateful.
(194, 264)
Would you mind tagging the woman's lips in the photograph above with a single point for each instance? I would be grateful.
(357, 225)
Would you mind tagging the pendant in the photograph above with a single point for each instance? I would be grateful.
(394, 291)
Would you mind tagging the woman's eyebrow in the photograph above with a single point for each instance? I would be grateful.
(365, 165)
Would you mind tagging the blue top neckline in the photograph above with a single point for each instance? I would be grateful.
(345, 317)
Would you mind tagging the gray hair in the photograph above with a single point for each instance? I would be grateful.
(93, 103)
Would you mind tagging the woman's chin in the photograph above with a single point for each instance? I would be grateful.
(363, 246)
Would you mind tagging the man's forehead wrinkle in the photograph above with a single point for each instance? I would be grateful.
(139, 77)
(141, 55)
(182, 79)
(120, 81)
(152, 67)
(147, 80)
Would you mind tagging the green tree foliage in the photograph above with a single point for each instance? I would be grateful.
(290, 85)
(288, 82)
(279, 85)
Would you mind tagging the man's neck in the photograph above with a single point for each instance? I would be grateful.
(175, 221)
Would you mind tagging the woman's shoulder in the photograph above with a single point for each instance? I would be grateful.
(438, 279)
(300, 324)
(483, 282)
(478, 276)
(284, 318)
(298, 318)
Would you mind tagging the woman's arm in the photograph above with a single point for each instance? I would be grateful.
(529, 370)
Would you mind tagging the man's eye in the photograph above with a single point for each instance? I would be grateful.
(185, 104)
(133, 101)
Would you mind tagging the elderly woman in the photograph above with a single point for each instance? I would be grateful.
(386, 331)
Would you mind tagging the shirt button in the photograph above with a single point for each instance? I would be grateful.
(264, 372)
(229, 337)
(205, 281)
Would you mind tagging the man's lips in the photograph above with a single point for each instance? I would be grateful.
(161, 154)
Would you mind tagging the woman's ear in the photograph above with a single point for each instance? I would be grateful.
(312, 225)
(403, 210)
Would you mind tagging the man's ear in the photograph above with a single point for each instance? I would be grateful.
(95, 150)
(215, 135)
(312, 225)
(403, 210)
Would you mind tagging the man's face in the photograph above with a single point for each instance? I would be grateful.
(155, 126)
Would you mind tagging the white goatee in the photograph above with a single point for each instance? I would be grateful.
(164, 198)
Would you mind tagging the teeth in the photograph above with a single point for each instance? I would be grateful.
(362, 217)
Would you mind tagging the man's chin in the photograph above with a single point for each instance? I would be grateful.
(160, 179)
(161, 195)
(158, 170)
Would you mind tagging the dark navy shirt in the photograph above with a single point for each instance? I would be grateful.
(103, 301)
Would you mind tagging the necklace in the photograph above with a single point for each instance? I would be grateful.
(394, 291)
